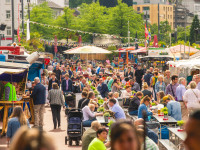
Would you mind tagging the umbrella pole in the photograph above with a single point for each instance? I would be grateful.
(87, 59)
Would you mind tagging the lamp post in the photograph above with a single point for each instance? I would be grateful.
(13, 21)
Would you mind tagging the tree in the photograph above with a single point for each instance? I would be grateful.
(194, 30)
(119, 17)
(34, 44)
(42, 14)
(165, 30)
(108, 3)
(181, 31)
(66, 20)
(93, 18)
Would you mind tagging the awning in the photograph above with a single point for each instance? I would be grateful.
(14, 65)
(12, 75)
(141, 50)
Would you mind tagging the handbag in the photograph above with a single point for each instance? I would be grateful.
(126, 101)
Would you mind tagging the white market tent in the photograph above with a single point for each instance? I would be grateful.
(184, 66)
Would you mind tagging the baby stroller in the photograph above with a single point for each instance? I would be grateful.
(75, 127)
(70, 101)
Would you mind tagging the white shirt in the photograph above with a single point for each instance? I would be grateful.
(126, 94)
(192, 97)
(87, 113)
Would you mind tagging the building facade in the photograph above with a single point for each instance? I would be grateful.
(193, 6)
(150, 11)
(6, 16)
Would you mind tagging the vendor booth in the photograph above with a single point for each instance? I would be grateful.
(14, 74)
(157, 57)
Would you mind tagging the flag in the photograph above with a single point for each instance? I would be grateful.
(28, 31)
(146, 32)
(55, 44)
(18, 26)
(149, 34)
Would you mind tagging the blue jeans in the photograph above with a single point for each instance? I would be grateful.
(135, 113)
(87, 123)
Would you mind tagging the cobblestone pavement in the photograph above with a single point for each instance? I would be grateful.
(58, 135)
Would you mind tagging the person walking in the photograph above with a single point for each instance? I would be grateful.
(171, 88)
(139, 73)
(39, 98)
(56, 100)
(191, 98)
(160, 85)
(180, 91)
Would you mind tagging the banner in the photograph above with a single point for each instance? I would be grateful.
(28, 31)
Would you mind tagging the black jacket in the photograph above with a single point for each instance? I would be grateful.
(50, 84)
(134, 104)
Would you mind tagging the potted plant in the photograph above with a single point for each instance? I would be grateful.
(96, 92)
(181, 123)
(106, 115)
(165, 112)
(100, 101)
(100, 109)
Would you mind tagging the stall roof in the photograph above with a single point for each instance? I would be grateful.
(158, 57)
(11, 71)
(14, 65)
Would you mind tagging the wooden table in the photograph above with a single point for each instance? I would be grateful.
(30, 100)
(101, 120)
(7, 105)
(170, 121)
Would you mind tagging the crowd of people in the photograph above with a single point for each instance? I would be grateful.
(138, 85)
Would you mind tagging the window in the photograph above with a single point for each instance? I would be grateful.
(146, 1)
(7, 1)
(67, 2)
(8, 30)
(164, 16)
(145, 8)
(7, 14)
(20, 14)
(164, 8)
(168, 8)
(168, 16)
(171, 9)
(138, 8)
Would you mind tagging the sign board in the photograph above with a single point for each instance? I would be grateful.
(158, 53)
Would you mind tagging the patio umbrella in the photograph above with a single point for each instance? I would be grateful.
(87, 50)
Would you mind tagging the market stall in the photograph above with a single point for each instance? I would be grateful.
(15, 74)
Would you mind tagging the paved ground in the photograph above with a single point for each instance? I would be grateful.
(57, 135)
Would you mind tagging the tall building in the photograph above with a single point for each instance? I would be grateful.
(6, 18)
(150, 12)
(6, 15)
(193, 6)
(61, 3)
(184, 17)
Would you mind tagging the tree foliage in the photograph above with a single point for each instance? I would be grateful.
(34, 44)
(42, 14)
(119, 17)
(194, 30)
